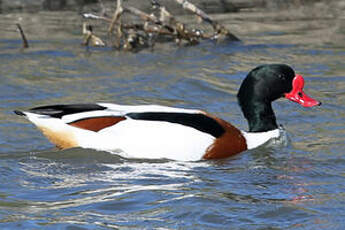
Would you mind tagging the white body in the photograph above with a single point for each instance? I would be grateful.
(132, 138)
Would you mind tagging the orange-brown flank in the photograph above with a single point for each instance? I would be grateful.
(230, 143)
(62, 139)
(96, 123)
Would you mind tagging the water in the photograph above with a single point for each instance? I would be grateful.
(299, 186)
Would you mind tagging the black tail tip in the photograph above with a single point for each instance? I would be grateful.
(20, 113)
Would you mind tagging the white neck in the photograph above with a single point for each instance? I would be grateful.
(256, 139)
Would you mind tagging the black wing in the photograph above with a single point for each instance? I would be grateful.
(61, 110)
(198, 121)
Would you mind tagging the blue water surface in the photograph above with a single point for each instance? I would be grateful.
(297, 186)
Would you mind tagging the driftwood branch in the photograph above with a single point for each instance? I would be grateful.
(116, 16)
(144, 16)
(192, 8)
(25, 41)
(220, 30)
(96, 17)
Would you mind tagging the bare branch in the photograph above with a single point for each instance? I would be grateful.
(192, 8)
(142, 15)
(117, 14)
(220, 31)
(25, 41)
(96, 17)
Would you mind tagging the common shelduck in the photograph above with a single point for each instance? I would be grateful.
(153, 131)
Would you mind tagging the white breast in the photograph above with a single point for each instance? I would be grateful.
(255, 140)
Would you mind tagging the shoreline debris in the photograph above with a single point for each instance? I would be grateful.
(149, 28)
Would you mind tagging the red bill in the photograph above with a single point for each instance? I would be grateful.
(297, 94)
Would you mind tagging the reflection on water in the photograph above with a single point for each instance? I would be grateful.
(297, 186)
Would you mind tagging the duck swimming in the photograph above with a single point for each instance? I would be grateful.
(154, 131)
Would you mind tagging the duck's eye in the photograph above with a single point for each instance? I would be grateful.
(300, 94)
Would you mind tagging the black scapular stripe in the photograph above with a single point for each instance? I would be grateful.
(198, 121)
(61, 110)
